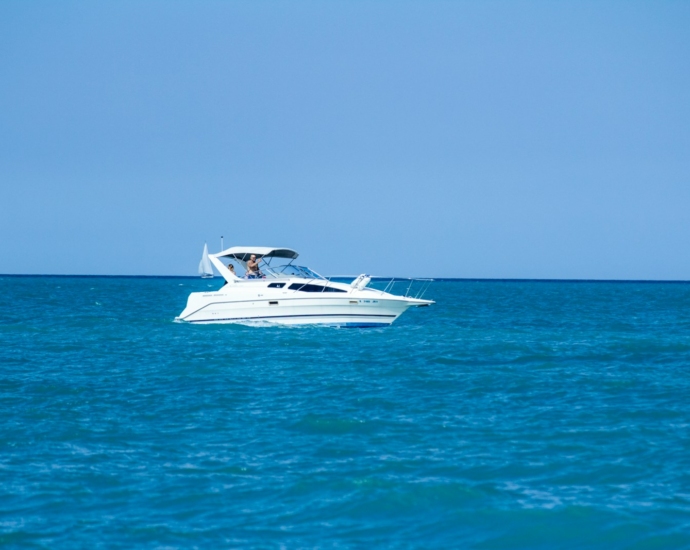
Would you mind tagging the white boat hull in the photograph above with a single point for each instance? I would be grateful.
(359, 308)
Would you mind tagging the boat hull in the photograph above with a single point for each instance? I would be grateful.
(345, 312)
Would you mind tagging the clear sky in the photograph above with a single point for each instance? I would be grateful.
(456, 139)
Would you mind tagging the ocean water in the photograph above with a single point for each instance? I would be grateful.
(508, 415)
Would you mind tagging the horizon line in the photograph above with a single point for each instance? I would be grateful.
(447, 279)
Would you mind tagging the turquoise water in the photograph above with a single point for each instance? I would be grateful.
(508, 415)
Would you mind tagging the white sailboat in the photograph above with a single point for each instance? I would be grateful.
(205, 268)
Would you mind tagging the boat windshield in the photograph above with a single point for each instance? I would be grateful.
(289, 270)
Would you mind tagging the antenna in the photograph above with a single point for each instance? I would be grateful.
(221, 244)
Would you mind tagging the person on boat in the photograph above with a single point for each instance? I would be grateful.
(231, 269)
(253, 271)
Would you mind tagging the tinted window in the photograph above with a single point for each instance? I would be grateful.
(313, 288)
(276, 285)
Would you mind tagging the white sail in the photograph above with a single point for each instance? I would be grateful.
(205, 269)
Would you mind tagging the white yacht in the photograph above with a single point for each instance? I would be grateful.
(289, 294)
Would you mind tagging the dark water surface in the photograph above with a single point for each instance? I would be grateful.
(508, 415)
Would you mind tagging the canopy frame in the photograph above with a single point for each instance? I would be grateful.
(243, 253)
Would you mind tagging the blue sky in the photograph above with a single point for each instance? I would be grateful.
(454, 139)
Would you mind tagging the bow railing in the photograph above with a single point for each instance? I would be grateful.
(413, 287)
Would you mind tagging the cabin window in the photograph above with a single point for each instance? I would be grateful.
(276, 285)
(313, 288)
(272, 303)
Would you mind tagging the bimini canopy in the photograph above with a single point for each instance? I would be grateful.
(243, 253)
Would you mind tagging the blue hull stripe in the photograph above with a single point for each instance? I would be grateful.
(285, 316)
(364, 325)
